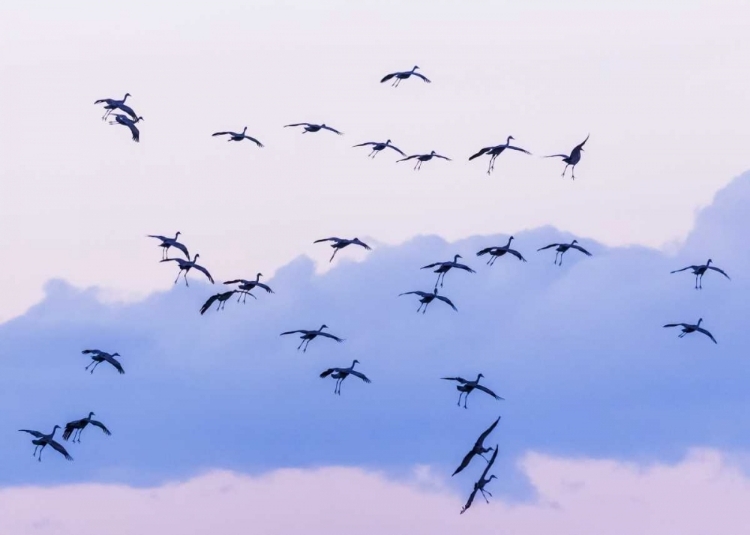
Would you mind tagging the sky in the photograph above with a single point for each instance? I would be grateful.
(218, 410)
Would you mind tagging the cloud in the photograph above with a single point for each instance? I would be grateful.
(706, 492)
(577, 351)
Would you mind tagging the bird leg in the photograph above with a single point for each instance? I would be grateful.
(34, 454)
(300, 344)
(465, 398)
(682, 334)
(95, 365)
(561, 257)
(700, 282)
(484, 494)
(483, 457)
(459, 398)
(307, 343)
(40, 454)
(573, 172)
(335, 250)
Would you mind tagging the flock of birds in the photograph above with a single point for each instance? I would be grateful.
(244, 287)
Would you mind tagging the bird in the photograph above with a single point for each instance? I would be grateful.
(445, 267)
(496, 151)
(166, 243)
(309, 336)
(378, 146)
(699, 271)
(311, 127)
(427, 298)
(478, 448)
(466, 387)
(76, 427)
(98, 356)
(563, 247)
(222, 299)
(111, 104)
(398, 76)
(340, 243)
(421, 158)
(342, 373)
(497, 252)
(43, 441)
(247, 285)
(572, 159)
(688, 328)
(234, 136)
(186, 266)
(483, 480)
(130, 123)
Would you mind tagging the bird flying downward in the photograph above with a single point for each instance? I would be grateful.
(312, 127)
(397, 77)
(688, 328)
(479, 485)
(166, 243)
(497, 252)
(186, 266)
(124, 120)
(466, 387)
(309, 336)
(340, 243)
(234, 136)
(562, 248)
(97, 357)
(699, 271)
(221, 299)
(76, 427)
(572, 159)
(477, 449)
(342, 373)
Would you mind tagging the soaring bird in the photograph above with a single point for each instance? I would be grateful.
(477, 449)
(76, 427)
(312, 127)
(398, 76)
(222, 299)
(340, 243)
(43, 441)
(497, 252)
(166, 243)
(111, 104)
(479, 485)
(445, 267)
(496, 151)
(130, 123)
(234, 136)
(186, 266)
(688, 328)
(421, 158)
(309, 336)
(563, 247)
(40, 435)
(699, 271)
(342, 373)
(247, 285)
(572, 159)
(377, 146)
(429, 297)
(98, 356)
(466, 387)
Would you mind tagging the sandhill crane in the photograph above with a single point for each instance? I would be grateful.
(483, 480)
(478, 448)
(111, 104)
(247, 285)
(342, 373)
(166, 243)
(563, 247)
(312, 127)
(186, 266)
(378, 146)
(466, 387)
(76, 427)
(97, 357)
(221, 299)
(130, 123)
(421, 158)
(40, 435)
(699, 271)
(496, 151)
(497, 252)
(309, 336)
(340, 243)
(43, 441)
(234, 136)
(428, 297)
(445, 267)
(571, 159)
(398, 76)
(688, 328)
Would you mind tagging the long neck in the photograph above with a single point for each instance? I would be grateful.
(124, 98)
(321, 328)
(509, 240)
(353, 363)
(177, 235)
(478, 377)
(507, 142)
(257, 278)
(52, 434)
(244, 130)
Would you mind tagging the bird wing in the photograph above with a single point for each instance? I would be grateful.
(676, 325)
(436, 264)
(443, 157)
(465, 462)
(181, 247)
(162, 238)
(549, 246)
(37, 434)
(254, 140)
(384, 79)
(363, 244)
(422, 76)
(328, 239)
(704, 331)
(488, 391)
(482, 151)
(266, 287)
(683, 269)
(133, 128)
(720, 271)
(464, 267)
(519, 149)
(446, 300)
(408, 158)
(329, 371)
(402, 153)
(300, 331)
(87, 351)
(486, 433)
(485, 251)
(459, 379)
(297, 124)
(238, 281)
(204, 271)
(416, 292)
(333, 130)
(366, 143)
(208, 303)
(331, 336)
(101, 426)
(55, 445)
(516, 254)
(582, 143)
(114, 362)
(102, 100)
(127, 109)
(584, 251)
(222, 133)
(360, 375)
(556, 156)
(470, 500)
(70, 427)
(489, 464)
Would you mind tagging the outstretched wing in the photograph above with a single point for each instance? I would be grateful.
(238, 281)
(402, 153)
(181, 247)
(556, 156)
(516, 254)
(704, 331)
(37, 434)
(87, 351)
(127, 109)
(162, 238)
(720, 271)
(366, 143)
(582, 143)
(333, 130)
(297, 124)
(266, 287)
(384, 79)
(422, 76)
(204, 271)
(254, 140)
(584, 251)
(487, 391)
(549, 246)
(436, 264)
(70, 427)
(329, 371)
(327, 239)
(459, 379)
(360, 375)
(55, 445)
(464, 267)
(486, 432)
(223, 134)
(133, 130)
(485, 251)
(683, 269)
(100, 426)
(114, 362)
(675, 325)
(408, 158)
(416, 292)
(300, 331)
(331, 336)
(208, 303)
(471, 499)
(482, 151)
(519, 149)
(446, 300)
(443, 157)
(465, 462)
(363, 244)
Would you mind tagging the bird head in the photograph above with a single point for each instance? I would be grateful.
(457, 257)
(177, 234)
(91, 414)
(493, 476)
(480, 375)
(574, 241)
(115, 354)
(355, 361)
(415, 67)
(126, 96)
(323, 125)
(387, 141)
(433, 153)
(699, 321)
(709, 261)
(259, 275)
(511, 239)
(324, 326)
(244, 130)
(196, 257)
(510, 137)
(55, 428)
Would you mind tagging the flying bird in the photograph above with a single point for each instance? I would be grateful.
(234, 136)
(688, 328)
(479, 485)
(699, 271)
(467, 387)
(111, 104)
(221, 299)
(76, 427)
(342, 373)
(421, 158)
(311, 127)
(572, 159)
(429, 297)
(496, 151)
(166, 243)
(43, 441)
(563, 247)
(340, 243)
(186, 266)
(478, 448)
(130, 123)
(378, 146)
(497, 252)
(309, 336)
(398, 76)
(445, 267)
(97, 357)
(247, 285)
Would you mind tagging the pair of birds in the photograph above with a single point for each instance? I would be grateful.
(240, 136)
(74, 429)
(185, 265)
(243, 290)
(129, 120)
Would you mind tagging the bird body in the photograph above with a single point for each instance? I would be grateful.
(421, 158)
(98, 356)
(397, 77)
(234, 136)
(186, 266)
(124, 120)
(466, 387)
(497, 252)
(378, 146)
(688, 328)
(444, 267)
(340, 243)
(342, 373)
(428, 297)
(76, 427)
(479, 485)
(166, 243)
(309, 336)
(701, 270)
(572, 159)
(477, 449)
(312, 127)
(561, 248)
(496, 151)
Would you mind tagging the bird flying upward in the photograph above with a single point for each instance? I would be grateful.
(572, 159)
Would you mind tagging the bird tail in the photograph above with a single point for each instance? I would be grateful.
(66, 434)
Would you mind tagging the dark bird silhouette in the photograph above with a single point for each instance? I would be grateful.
(467, 387)
(340, 243)
(496, 151)
(478, 448)
(247, 285)
(479, 485)
(309, 336)
(378, 146)
(234, 136)
(563, 247)
(221, 299)
(429, 297)
(186, 266)
(124, 120)
(97, 357)
(572, 159)
(166, 243)
(342, 373)
(41, 441)
(497, 252)
(76, 427)
(111, 104)
(421, 158)
(688, 328)
(699, 271)
(398, 76)
(311, 127)
(445, 267)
